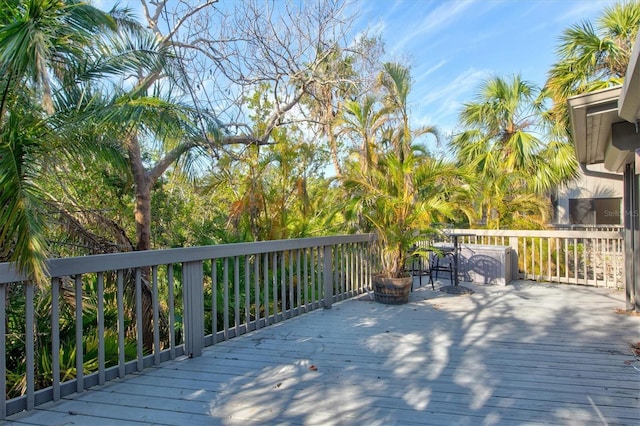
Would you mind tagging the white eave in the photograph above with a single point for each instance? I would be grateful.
(591, 117)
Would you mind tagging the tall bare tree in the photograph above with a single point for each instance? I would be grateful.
(299, 50)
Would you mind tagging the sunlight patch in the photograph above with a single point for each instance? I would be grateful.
(418, 398)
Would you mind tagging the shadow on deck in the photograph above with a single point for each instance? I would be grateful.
(524, 353)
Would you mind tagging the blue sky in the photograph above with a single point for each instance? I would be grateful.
(454, 45)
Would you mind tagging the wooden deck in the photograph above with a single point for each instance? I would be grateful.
(527, 353)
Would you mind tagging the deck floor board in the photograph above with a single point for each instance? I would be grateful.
(527, 353)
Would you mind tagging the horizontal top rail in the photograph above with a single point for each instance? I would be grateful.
(96, 263)
(541, 233)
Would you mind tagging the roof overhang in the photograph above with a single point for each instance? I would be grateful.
(592, 115)
(604, 122)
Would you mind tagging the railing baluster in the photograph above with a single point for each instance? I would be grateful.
(319, 275)
(265, 272)
(225, 297)
(524, 257)
(620, 259)
(550, 261)
(172, 320)
(594, 265)
(101, 354)
(247, 293)
(312, 273)
(576, 261)
(566, 260)
(606, 259)
(274, 288)
(358, 266)
(305, 279)
(283, 286)
(556, 242)
(120, 302)
(585, 258)
(29, 343)
(3, 350)
(236, 294)
(327, 276)
(256, 289)
(55, 337)
(541, 260)
(299, 282)
(365, 270)
(139, 321)
(214, 300)
(340, 282)
(533, 258)
(156, 315)
(291, 312)
(355, 266)
(79, 355)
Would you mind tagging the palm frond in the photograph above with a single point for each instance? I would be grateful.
(22, 238)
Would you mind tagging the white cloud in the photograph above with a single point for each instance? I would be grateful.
(424, 74)
(441, 16)
(579, 10)
(441, 105)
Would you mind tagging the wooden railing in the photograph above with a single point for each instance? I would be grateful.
(105, 316)
(594, 257)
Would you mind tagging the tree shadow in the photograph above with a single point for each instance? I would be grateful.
(497, 356)
(524, 353)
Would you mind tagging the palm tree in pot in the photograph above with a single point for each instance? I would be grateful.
(402, 190)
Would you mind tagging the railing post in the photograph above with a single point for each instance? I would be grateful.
(193, 303)
(631, 237)
(3, 354)
(515, 270)
(327, 275)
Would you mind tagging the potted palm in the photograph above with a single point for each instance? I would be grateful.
(395, 187)
(392, 200)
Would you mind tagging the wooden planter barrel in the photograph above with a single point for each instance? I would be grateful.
(391, 291)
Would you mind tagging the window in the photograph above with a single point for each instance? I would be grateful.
(595, 211)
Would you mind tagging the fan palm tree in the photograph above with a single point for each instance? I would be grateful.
(593, 57)
(506, 145)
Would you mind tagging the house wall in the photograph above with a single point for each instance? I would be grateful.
(597, 183)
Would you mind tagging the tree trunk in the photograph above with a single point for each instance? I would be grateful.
(142, 214)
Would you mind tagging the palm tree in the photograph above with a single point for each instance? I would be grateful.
(41, 43)
(62, 66)
(396, 81)
(67, 55)
(400, 192)
(362, 120)
(506, 145)
(593, 57)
